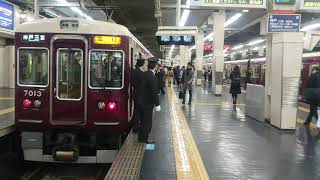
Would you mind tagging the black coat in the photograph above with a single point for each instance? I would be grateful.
(161, 77)
(149, 91)
(136, 81)
(235, 83)
(312, 92)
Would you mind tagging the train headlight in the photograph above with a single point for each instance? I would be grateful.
(26, 103)
(37, 103)
(101, 105)
(112, 106)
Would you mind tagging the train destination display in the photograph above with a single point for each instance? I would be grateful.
(311, 3)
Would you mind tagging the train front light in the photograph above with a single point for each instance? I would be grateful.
(26, 103)
(101, 105)
(37, 103)
(112, 106)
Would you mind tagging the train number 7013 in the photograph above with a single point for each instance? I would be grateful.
(32, 93)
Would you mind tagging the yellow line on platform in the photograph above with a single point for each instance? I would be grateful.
(6, 98)
(216, 104)
(189, 165)
(6, 111)
(303, 109)
(312, 125)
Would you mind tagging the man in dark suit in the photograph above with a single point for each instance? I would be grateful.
(149, 99)
(136, 81)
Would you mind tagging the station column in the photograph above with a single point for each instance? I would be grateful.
(218, 54)
(199, 56)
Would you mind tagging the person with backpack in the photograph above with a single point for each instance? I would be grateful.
(312, 95)
(235, 88)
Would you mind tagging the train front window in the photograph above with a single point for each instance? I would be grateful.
(33, 67)
(69, 74)
(106, 69)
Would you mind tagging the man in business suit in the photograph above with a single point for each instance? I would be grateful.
(136, 81)
(149, 99)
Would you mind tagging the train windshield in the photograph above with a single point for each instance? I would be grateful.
(106, 69)
(33, 67)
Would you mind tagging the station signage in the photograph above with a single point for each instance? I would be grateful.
(176, 40)
(284, 23)
(311, 4)
(285, 1)
(210, 47)
(6, 16)
(235, 3)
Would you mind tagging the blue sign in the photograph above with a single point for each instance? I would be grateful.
(6, 16)
(176, 40)
(285, 1)
(284, 23)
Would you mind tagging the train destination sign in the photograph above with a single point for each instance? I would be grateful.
(235, 3)
(33, 37)
(6, 16)
(284, 22)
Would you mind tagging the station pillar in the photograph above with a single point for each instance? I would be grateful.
(218, 54)
(287, 50)
(199, 57)
(183, 56)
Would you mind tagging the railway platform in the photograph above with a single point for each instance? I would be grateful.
(6, 111)
(212, 139)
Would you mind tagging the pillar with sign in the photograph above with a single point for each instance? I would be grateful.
(218, 54)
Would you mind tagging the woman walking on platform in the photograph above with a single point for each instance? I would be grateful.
(235, 88)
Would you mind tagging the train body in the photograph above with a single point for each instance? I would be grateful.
(258, 66)
(73, 93)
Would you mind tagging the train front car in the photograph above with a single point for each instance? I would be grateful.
(73, 89)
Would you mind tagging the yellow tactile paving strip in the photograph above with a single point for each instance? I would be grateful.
(6, 111)
(189, 165)
(6, 98)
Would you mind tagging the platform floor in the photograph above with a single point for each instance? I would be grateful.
(6, 111)
(230, 145)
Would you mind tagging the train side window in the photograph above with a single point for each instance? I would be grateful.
(106, 69)
(69, 74)
(33, 67)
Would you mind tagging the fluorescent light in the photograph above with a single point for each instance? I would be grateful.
(172, 47)
(76, 10)
(311, 27)
(184, 18)
(52, 13)
(255, 42)
(193, 47)
(232, 19)
(209, 36)
(245, 10)
(237, 47)
(256, 48)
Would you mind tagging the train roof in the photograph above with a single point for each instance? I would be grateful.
(52, 25)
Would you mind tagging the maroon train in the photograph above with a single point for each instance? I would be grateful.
(73, 92)
(258, 68)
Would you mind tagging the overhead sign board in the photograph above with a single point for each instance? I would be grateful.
(176, 40)
(310, 4)
(6, 16)
(284, 1)
(235, 3)
(284, 23)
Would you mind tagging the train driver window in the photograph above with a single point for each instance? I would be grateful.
(106, 69)
(33, 67)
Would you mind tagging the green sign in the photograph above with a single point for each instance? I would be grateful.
(233, 2)
(311, 3)
(284, 1)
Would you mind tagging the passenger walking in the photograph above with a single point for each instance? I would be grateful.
(161, 76)
(187, 80)
(235, 88)
(136, 81)
(170, 76)
(176, 75)
(312, 95)
(149, 99)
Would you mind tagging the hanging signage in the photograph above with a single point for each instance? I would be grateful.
(176, 40)
(285, 1)
(235, 3)
(6, 16)
(284, 22)
(311, 4)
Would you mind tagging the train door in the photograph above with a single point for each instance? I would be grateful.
(68, 67)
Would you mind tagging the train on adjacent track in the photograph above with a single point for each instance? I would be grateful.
(258, 66)
(73, 93)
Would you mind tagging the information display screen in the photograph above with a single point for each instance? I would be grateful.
(284, 22)
(33, 37)
(235, 2)
(284, 1)
(176, 40)
(311, 3)
(6, 16)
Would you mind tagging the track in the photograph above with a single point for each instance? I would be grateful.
(67, 172)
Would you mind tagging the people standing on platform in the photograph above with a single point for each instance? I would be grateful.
(210, 75)
(248, 78)
(170, 76)
(149, 99)
(312, 95)
(181, 73)
(204, 74)
(161, 75)
(187, 82)
(176, 75)
(235, 88)
(136, 81)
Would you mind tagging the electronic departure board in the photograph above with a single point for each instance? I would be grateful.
(235, 2)
(176, 40)
(284, 1)
(311, 3)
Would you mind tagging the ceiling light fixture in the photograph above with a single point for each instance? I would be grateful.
(245, 10)
(184, 18)
(76, 10)
(193, 47)
(237, 47)
(172, 47)
(256, 48)
(258, 41)
(52, 13)
(232, 19)
(311, 27)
